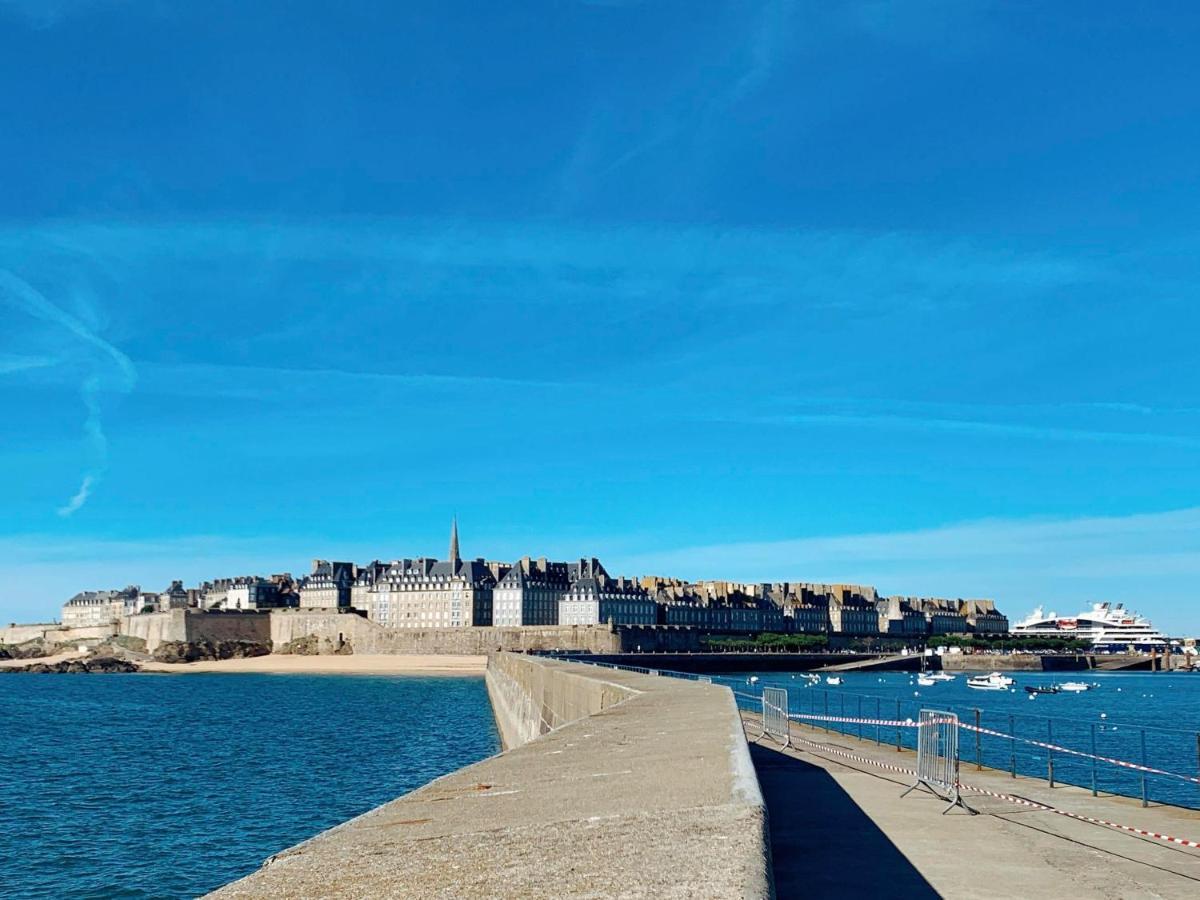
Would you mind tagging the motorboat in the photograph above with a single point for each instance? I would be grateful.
(942, 676)
(1040, 689)
(833, 680)
(1002, 680)
(985, 683)
(1075, 687)
(926, 681)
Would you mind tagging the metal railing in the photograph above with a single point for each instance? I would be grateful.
(1151, 763)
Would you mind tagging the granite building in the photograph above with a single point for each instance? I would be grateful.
(422, 593)
(329, 586)
(594, 598)
(529, 592)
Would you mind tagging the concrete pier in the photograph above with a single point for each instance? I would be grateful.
(616, 784)
(839, 828)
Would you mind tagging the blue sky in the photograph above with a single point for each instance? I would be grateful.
(901, 293)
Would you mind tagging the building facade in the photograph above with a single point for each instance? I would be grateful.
(529, 593)
(594, 598)
(329, 586)
(422, 593)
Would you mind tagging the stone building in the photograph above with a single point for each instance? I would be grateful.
(89, 608)
(360, 592)
(174, 597)
(901, 617)
(329, 586)
(256, 592)
(422, 593)
(594, 598)
(529, 592)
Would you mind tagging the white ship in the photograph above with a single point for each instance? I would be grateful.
(1105, 625)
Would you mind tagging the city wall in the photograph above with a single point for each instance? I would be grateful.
(332, 629)
(614, 783)
(192, 625)
(54, 633)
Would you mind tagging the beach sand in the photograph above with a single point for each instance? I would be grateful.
(362, 664)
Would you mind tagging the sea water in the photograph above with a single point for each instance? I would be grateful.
(165, 786)
(1150, 719)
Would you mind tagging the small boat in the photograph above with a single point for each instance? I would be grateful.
(834, 680)
(926, 681)
(1002, 680)
(1038, 689)
(984, 683)
(753, 679)
(1075, 687)
(942, 676)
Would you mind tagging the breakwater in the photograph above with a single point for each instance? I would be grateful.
(615, 782)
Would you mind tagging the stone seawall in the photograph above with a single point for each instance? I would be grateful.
(194, 625)
(332, 629)
(617, 784)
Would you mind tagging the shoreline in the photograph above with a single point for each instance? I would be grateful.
(361, 664)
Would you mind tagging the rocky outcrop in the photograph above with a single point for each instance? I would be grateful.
(97, 665)
(29, 650)
(196, 651)
(309, 645)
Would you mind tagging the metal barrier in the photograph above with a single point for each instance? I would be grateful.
(775, 720)
(937, 757)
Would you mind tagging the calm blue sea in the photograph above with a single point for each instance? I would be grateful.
(1141, 718)
(138, 786)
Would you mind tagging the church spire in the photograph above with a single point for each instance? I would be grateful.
(454, 559)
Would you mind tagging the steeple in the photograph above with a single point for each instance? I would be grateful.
(454, 558)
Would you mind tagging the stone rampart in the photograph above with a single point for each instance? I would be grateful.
(333, 628)
(55, 634)
(617, 784)
(193, 625)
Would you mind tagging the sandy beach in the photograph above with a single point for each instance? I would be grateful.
(365, 664)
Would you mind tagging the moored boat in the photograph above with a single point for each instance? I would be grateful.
(1040, 689)
(987, 683)
(1075, 687)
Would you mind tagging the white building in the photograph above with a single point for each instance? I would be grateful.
(594, 598)
(89, 608)
(422, 593)
(530, 592)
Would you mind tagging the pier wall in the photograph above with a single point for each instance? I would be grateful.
(615, 783)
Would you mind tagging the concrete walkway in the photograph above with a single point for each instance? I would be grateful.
(839, 828)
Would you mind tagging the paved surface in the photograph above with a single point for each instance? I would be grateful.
(840, 828)
(653, 797)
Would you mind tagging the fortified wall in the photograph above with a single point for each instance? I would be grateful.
(192, 625)
(613, 783)
(54, 633)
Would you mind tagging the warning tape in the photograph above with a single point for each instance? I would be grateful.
(1021, 801)
(909, 723)
(1137, 767)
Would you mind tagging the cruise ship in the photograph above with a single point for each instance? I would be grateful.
(1106, 625)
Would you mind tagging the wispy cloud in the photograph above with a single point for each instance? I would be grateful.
(976, 427)
(18, 293)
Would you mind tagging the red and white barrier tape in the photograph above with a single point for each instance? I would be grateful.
(1137, 767)
(1021, 801)
(908, 723)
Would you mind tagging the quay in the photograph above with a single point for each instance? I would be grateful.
(620, 783)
